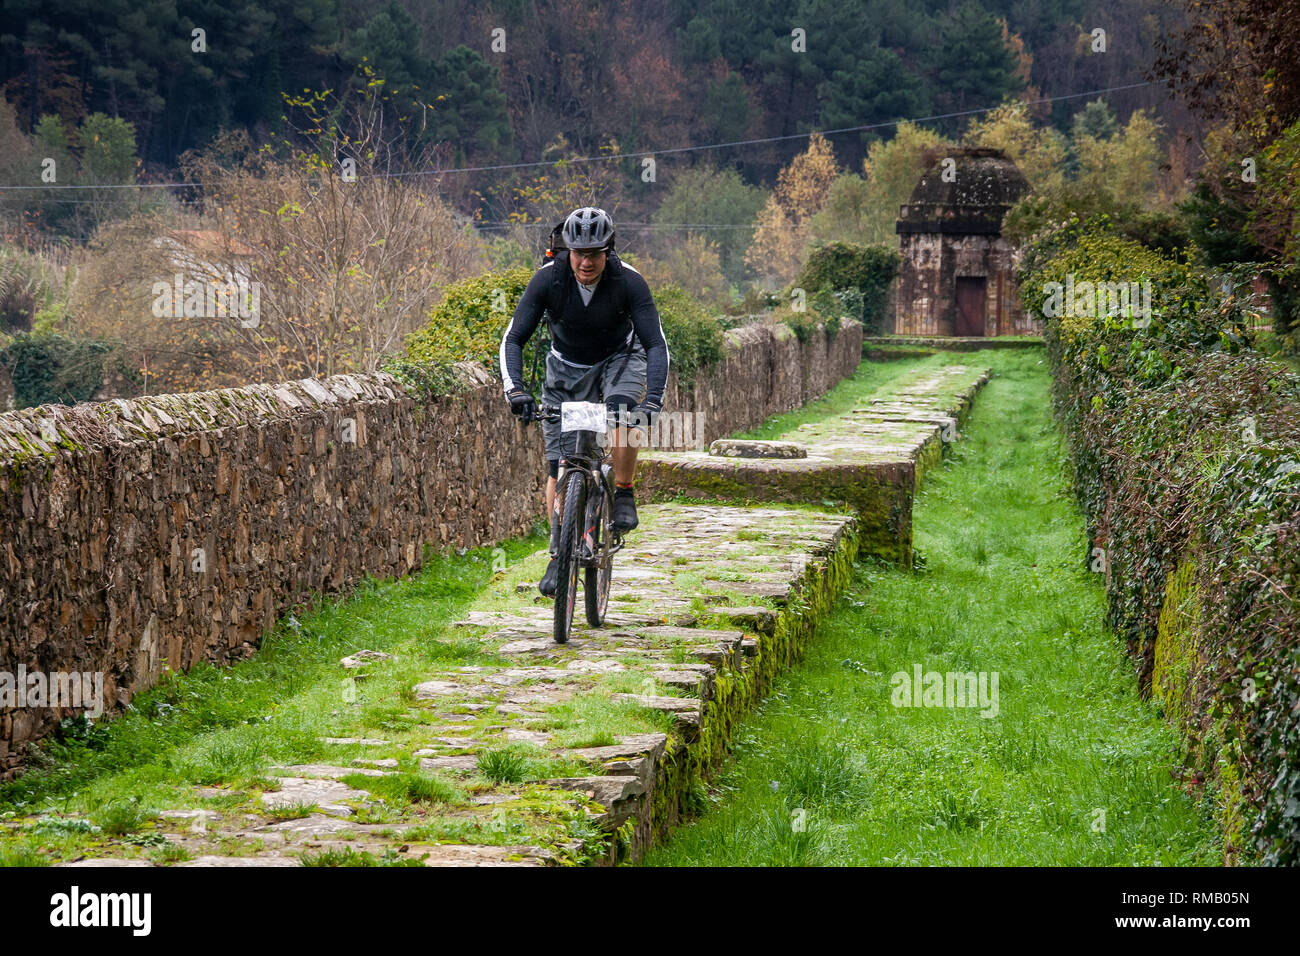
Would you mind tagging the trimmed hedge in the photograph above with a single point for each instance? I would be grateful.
(1186, 455)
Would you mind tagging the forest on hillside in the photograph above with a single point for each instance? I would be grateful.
(361, 158)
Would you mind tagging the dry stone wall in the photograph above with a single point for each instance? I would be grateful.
(150, 534)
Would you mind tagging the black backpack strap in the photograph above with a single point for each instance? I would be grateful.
(614, 270)
(559, 284)
(614, 273)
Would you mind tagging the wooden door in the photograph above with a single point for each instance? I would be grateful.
(971, 303)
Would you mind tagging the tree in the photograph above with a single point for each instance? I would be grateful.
(972, 64)
(98, 153)
(1039, 152)
(1235, 60)
(728, 110)
(706, 194)
(386, 44)
(1116, 177)
(331, 271)
(776, 254)
(1096, 119)
(137, 60)
(778, 249)
(470, 110)
(877, 88)
(1124, 166)
(892, 169)
(846, 215)
(692, 264)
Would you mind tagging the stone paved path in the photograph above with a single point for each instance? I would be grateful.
(584, 752)
(869, 459)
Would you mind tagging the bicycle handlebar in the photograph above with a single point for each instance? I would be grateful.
(551, 413)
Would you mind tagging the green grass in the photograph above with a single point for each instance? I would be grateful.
(504, 764)
(829, 772)
(170, 853)
(118, 817)
(402, 789)
(596, 719)
(228, 725)
(294, 810)
(347, 856)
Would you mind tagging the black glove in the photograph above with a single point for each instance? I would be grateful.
(646, 412)
(522, 404)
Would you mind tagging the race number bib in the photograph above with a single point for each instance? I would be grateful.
(582, 416)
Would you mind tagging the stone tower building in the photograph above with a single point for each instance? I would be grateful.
(958, 274)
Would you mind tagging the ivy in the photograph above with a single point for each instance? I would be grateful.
(1185, 442)
(842, 278)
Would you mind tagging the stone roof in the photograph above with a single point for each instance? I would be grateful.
(984, 184)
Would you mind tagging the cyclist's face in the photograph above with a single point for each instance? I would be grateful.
(587, 264)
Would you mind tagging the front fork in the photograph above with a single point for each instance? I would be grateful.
(557, 513)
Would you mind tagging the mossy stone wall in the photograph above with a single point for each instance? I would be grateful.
(150, 534)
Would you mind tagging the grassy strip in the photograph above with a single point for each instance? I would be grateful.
(1072, 770)
(226, 724)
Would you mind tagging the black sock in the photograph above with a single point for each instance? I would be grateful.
(622, 490)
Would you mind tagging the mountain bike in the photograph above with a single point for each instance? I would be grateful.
(583, 535)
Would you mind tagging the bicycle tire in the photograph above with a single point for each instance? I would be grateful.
(566, 568)
(595, 587)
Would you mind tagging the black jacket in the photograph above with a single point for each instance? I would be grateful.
(620, 308)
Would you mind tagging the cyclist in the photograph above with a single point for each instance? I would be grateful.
(607, 345)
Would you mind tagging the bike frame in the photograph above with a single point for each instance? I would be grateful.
(593, 462)
(583, 539)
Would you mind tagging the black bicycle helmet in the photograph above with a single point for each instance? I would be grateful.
(588, 228)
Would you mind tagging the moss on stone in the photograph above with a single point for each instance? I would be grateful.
(1177, 657)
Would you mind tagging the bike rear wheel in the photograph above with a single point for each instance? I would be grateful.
(596, 583)
(566, 567)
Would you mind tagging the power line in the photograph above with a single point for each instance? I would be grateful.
(625, 225)
(645, 153)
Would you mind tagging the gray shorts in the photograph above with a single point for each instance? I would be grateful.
(622, 375)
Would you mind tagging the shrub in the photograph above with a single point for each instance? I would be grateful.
(841, 267)
(468, 324)
(1185, 446)
(1100, 256)
(694, 334)
(49, 367)
(27, 286)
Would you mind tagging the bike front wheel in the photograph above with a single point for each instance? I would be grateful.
(595, 589)
(567, 558)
